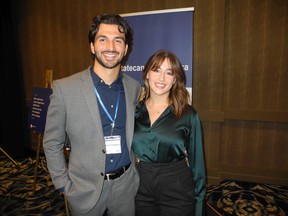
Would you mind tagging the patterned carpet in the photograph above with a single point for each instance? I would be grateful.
(245, 198)
(16, 189)
(227, 198)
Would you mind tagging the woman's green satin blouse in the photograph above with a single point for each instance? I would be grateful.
(170, 139)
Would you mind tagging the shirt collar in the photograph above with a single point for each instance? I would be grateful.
(98, 81)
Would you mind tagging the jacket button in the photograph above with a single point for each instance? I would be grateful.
(102, 174)
(103, 151)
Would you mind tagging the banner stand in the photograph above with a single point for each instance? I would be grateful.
(9, 157)
(48, 84)
(39, 142)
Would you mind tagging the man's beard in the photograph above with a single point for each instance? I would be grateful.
(107, 65)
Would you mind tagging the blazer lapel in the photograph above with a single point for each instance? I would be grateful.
(87, 88)
(129, 98)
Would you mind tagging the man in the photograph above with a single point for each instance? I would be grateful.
(94, 109)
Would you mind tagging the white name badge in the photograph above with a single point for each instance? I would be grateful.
(113, 144)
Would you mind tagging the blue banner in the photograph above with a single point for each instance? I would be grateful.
(38, 108)
(164, 29)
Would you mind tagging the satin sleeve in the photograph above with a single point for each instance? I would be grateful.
(196, 161)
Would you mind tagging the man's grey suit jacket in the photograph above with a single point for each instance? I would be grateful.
(74, 112)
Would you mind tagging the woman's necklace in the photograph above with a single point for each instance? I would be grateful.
(156, 108)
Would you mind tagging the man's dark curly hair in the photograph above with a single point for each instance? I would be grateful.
(113, 19)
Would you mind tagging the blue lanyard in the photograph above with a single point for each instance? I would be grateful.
(106, 111)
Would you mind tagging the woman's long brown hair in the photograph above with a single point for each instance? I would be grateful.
(179, 97)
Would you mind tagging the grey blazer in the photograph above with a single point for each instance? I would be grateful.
(73, 110)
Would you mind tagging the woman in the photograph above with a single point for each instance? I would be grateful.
(168, 143)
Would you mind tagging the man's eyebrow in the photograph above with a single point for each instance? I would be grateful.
(119, 37)
(99, 36)
(105, 36)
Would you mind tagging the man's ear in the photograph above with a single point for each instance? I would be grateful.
(126, 49)
(92, 48)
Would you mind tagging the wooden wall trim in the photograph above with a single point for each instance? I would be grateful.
(211, 115)
(253, 178)
(256, 115)
(210, 180)
(254, 174)
(254, 171)
(243, 115)
(212, 175)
